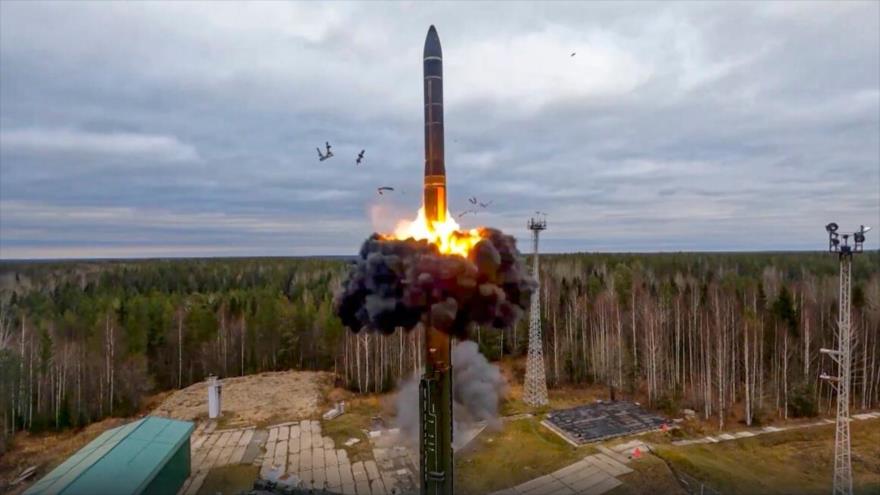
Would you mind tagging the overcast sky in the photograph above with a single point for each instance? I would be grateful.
(187, 129)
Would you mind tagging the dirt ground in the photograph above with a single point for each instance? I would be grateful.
(46, 450)
(254, 399)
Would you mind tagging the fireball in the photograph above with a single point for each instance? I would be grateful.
(446, 234)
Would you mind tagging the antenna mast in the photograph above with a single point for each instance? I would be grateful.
(843, 354)
(535, 390)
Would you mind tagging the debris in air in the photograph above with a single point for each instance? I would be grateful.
(327, 154)
(360, 157)
(486, 205)
(465, 212)
(573, 54)
(384, 188)
(472, 200)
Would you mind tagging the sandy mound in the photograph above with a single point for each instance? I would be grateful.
(254, 399)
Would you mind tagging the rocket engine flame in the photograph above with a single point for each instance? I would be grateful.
(446, 234)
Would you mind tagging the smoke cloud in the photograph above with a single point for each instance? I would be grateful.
(398, 283)
(477, 388)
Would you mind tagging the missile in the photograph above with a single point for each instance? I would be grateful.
(435, 386)
(435, 168)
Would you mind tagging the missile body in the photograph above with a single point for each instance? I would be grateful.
(435, 387)
(435, 168)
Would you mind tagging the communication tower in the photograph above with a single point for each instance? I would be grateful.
(535, 390)
(843, 355)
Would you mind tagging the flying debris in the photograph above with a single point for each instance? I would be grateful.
(360, 157)
(486, 205)
(327, 154)
(465, 212)
(472, 200)
(573, 54)
(384, 188)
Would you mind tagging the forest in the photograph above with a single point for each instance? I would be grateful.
(734, 336)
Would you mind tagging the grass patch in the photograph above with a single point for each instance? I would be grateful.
(650, 476)
(792, 461)
(520, 451)
(236, 478)
(353, 424)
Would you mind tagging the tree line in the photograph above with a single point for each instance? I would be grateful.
(730, 335)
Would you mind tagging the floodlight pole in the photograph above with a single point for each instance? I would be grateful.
(535, 388)
(842, 484)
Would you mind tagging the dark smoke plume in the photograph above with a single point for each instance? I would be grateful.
(397, 283)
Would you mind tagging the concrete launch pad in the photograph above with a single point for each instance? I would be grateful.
(602, 420)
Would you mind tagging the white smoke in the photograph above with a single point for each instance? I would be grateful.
(477, 387)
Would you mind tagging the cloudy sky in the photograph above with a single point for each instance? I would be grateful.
(188, 129)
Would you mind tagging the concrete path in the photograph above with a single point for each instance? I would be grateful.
(211, 448)
(724, 437)
(592, 475)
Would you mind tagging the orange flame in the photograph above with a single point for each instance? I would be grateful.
(445, 235)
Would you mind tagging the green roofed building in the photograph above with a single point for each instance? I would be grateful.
(149, 456)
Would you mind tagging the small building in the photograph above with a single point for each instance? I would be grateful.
(147, 456)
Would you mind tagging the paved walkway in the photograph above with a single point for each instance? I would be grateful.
(723, 437)
(593, 475)
(211, 448)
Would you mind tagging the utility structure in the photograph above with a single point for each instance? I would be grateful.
(843, 354)
(535, 392)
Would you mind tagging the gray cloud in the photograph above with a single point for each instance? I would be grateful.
(163, 129)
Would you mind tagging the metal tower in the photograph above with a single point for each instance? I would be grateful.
(535, 391)
(842, 355)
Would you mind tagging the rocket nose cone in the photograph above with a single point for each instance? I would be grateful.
(432, 44)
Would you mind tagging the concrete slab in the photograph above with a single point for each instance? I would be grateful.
(195, 445)
(237, 454)
(224, 437)
(363, 487)
(196, 484)
(377, 487)
(294, 432)
(372, 470)
(305, 461)
(293, 463)
(319, 478)
(273, 434)
(334, 480)
(328, 443)
(345, 474)
(318, 457)
(348, 489)
(606, 485)
(342, 456)
(552, 487)
(212, 439)
(330, 458)
(614, 455)
(280, 458)
(534, 483)
(305, 441)
(284, 433)
(609, 465)
(575, 478)
(587, 482)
